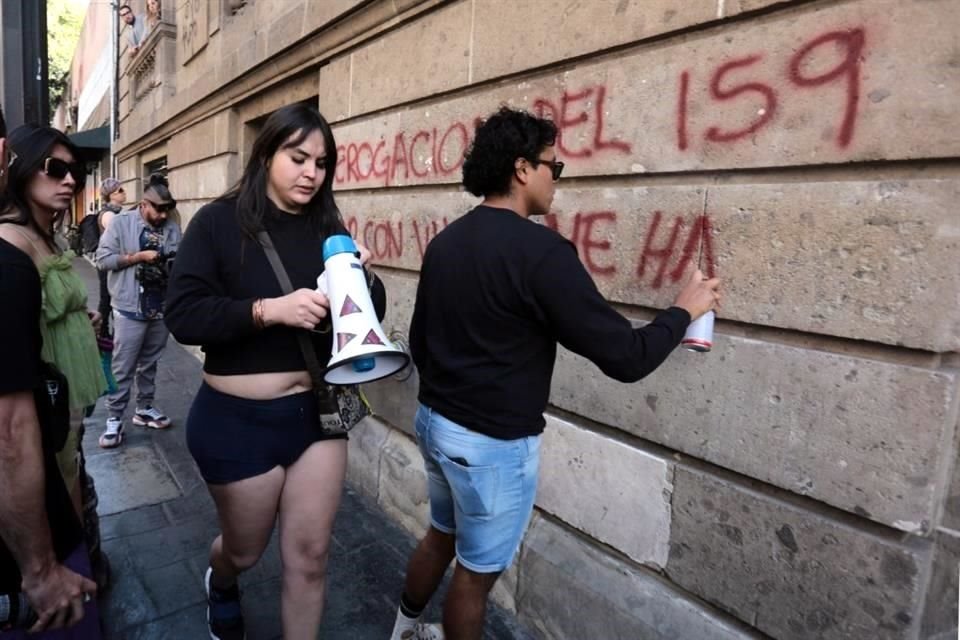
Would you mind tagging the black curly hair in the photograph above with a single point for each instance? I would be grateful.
(500, 139)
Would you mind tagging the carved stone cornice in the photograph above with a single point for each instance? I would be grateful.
(145, 68)
(201, 100)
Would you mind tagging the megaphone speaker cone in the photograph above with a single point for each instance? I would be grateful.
(355, 359)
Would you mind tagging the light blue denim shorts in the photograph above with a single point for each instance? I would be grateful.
(482, 489)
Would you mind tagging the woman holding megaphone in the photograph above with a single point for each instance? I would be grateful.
(255, 426)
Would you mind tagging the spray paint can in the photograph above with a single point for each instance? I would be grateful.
(699, 335)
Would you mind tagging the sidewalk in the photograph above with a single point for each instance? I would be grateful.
(157, 522)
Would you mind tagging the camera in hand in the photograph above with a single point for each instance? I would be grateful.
(156, 273)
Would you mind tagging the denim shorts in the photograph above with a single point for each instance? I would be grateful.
(481, 489)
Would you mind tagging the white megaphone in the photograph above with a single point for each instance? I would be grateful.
(361, 351)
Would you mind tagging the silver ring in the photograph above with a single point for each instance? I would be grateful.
(86, 597)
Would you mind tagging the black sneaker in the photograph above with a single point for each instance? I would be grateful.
(224, 617)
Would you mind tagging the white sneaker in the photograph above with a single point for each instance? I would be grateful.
(150, 416)
(402, 625)
(112, 434)
(424, 632)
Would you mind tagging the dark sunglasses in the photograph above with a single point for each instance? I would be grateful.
(556, 167)
(164, 208)
(58, 170)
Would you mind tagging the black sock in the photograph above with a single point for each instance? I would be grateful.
(219, 593)
(410, 610)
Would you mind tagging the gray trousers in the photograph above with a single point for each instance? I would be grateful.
(137, 347)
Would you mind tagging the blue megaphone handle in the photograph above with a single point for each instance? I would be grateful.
(364, 364)
(338, 244)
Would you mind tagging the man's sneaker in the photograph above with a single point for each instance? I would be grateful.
(423, 632)
(112, 434)
(150, 416)
(224, 617)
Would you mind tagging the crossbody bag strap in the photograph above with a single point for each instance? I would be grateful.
(309, 355)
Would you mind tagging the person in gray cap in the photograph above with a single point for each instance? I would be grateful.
(136, 250)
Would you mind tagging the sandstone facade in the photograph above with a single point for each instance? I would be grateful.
(800, 481)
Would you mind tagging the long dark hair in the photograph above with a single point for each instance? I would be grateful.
(298, 121)
(33, 145)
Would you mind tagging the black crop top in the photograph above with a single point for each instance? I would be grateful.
(219, 273)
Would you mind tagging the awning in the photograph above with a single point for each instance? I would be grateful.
(98, 138)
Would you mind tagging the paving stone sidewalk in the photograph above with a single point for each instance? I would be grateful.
(157, 522)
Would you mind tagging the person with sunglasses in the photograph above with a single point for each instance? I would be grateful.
(497, 293)
(42, 550)
(42, 182)
(136, 250)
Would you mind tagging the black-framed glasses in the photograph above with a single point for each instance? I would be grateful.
(164, 208)
(556, 167)
(58, 170)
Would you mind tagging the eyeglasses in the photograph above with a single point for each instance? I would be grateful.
(163, 208)
(556, 167)
(58, 170)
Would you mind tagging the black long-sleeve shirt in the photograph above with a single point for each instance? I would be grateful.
(497, 292)
(219, 273)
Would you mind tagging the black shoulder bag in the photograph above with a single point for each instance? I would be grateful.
(53, 406)
(340, 407)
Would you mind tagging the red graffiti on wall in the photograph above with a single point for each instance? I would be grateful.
(671, 257)
(697, 247)
(853, 41)
(428, 232)
(666, 251)
(571, 118)
(849, 42)
(720, 94)
(439, 151)
(386, 240)
(419, 154)
(581, 234)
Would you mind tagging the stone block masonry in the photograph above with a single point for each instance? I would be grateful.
(828, 84)
(789, 572)
(798, 482)
(863, 260)
(824, 425)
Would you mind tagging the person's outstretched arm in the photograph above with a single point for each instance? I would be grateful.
(585, 323)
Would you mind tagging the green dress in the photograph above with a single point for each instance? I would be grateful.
(68, 337)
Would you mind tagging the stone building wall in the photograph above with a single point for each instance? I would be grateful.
(797, 482)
